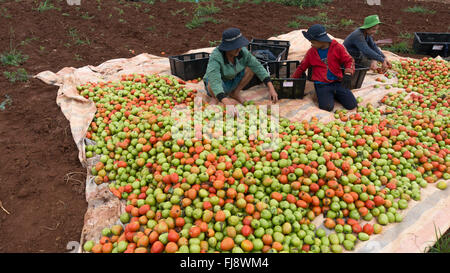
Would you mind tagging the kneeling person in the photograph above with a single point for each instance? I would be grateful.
(362, 48)
(231, 67)
(326, 57)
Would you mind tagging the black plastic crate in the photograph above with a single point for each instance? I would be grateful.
(357, 78)
(287, 87)
(432, 44)
(277, 51)
(189, 66)
(279, 43)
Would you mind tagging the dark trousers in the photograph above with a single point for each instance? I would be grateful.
(327, 93)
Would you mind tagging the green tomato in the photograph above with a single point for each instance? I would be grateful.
(402, 204)
(308, 240)
(348, 244)
(122, 246)
(336, 248)
(320, 232)
(383, 219)
(88, 245)
(106, 232)
(363, 236)
(124, 218)
(442, 185)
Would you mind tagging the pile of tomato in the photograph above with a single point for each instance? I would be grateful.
(210, 195)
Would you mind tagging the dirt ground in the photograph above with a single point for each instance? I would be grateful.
(37, 152)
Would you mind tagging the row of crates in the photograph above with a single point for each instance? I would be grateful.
(192, 66)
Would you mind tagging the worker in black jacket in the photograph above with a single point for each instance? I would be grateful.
(362, 48)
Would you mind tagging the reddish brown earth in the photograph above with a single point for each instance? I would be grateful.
(36, 147)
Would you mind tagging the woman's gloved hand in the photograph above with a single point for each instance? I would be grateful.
(347, 81)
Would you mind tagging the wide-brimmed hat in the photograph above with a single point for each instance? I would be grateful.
(371, 21)
(232, 39)
(317, 32)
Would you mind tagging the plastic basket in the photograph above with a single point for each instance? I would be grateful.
(189, 66)
(277, 51)
(433, 44)
(278, 43)
(287, 87)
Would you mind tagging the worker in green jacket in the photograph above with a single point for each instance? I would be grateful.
(231, 67)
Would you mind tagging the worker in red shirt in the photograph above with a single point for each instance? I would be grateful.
(326, 57)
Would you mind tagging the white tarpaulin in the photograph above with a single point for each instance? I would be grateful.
(414, 234)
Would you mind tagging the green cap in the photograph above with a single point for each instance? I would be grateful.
(371, 21)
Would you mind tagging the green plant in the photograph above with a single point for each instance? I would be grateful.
(199, 15)
(331, 26)
(293, 24)
(301, 3)
(320, 17)
(12, 57)
(214, 43)
(150, 28)
(123, 21)
(401, 47)
(19, 75)
(199, 21)
(73, 33)
(137, 6)
(419, 9)
(7, 101)
(442, 244)
(206, 10)
(78, 57)
(406, 35)
(229, 3)
(65, 14)
(86, 16)
(28, 40)
(175, 13)
(347, 22)
(119, 10)
(44, 6)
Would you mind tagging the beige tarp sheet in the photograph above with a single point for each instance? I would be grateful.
(414, 234)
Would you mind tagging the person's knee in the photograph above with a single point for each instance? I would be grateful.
(351, 106)
(327, 107)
